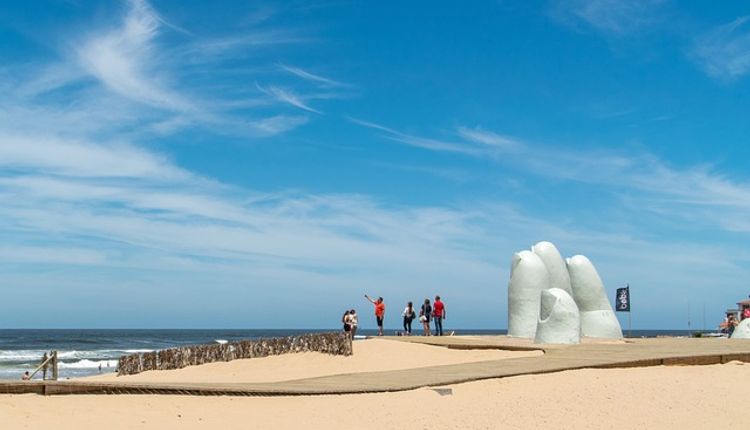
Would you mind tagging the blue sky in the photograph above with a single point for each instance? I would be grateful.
(264, 164)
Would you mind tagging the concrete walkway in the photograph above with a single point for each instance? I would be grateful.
(633, 353)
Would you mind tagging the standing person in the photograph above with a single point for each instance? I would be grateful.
(347, 324)
(408, 315)
(731, 324)
(379, 312)
(353, 322)
(424, 316)
(438, 314)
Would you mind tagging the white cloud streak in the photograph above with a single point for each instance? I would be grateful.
(311, 77)
(612, 17)
(82, 159)
(724, 52)
(287, 96)
(487, 138)
(698, 194)
(421, 142)
(120, 59)
(124, 75)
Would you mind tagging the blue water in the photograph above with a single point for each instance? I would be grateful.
(82, 352)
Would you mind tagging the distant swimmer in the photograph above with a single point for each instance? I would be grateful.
(379, 312)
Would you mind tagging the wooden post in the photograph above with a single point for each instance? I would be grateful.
(54, 365)
(45, 360)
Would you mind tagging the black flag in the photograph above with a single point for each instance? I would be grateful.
(622, 299)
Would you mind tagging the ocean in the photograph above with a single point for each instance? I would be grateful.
(84, 352)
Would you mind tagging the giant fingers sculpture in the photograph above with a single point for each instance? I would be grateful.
(742, 331)
(559, 321)
(597, 317)
(528, 277)
(548, 297)
(558, 270)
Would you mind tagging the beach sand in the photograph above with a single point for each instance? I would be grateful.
(369, 356)
(686, 397)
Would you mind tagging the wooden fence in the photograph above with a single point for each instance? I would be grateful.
(177, 358)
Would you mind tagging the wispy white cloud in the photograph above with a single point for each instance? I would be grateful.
(420, 142)
(278, 124)
(724, 52)
(287, 96)
(52, 254)
(311, 77)
(487, 138)
(698, 194)
(613, 17)
(80, 158)
(121, 59)
(125, 74)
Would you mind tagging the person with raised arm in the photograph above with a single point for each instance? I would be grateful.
(379, 312)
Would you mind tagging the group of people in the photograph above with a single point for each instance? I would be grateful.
(730, 322)
(350, 321)
(428, 313)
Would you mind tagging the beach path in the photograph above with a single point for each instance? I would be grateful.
(633, 353)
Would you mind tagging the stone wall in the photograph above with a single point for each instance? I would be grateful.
(177, 358)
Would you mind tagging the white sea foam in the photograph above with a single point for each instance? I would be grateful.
(21, 355)
(88, 364)
(35, 356)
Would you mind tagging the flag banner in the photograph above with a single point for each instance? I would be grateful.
(622, 300)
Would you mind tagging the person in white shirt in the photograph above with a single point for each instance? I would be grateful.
(353, 321)
(409, 316)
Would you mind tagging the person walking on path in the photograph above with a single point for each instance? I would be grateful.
(424, 316)
(409, 315)
(353, 321)
(379, 312)
(438, 314)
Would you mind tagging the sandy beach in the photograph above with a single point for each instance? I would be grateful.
(689, 397)
(692, 397)
(369, 356)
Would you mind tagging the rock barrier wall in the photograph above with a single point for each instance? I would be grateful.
(177, 358)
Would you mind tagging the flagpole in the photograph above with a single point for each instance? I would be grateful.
(630, 322)
(630, 327)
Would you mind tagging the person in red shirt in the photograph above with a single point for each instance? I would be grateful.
(745, 312)
(438, 315)
(379, 312)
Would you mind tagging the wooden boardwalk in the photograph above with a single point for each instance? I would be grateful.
(634, 353)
